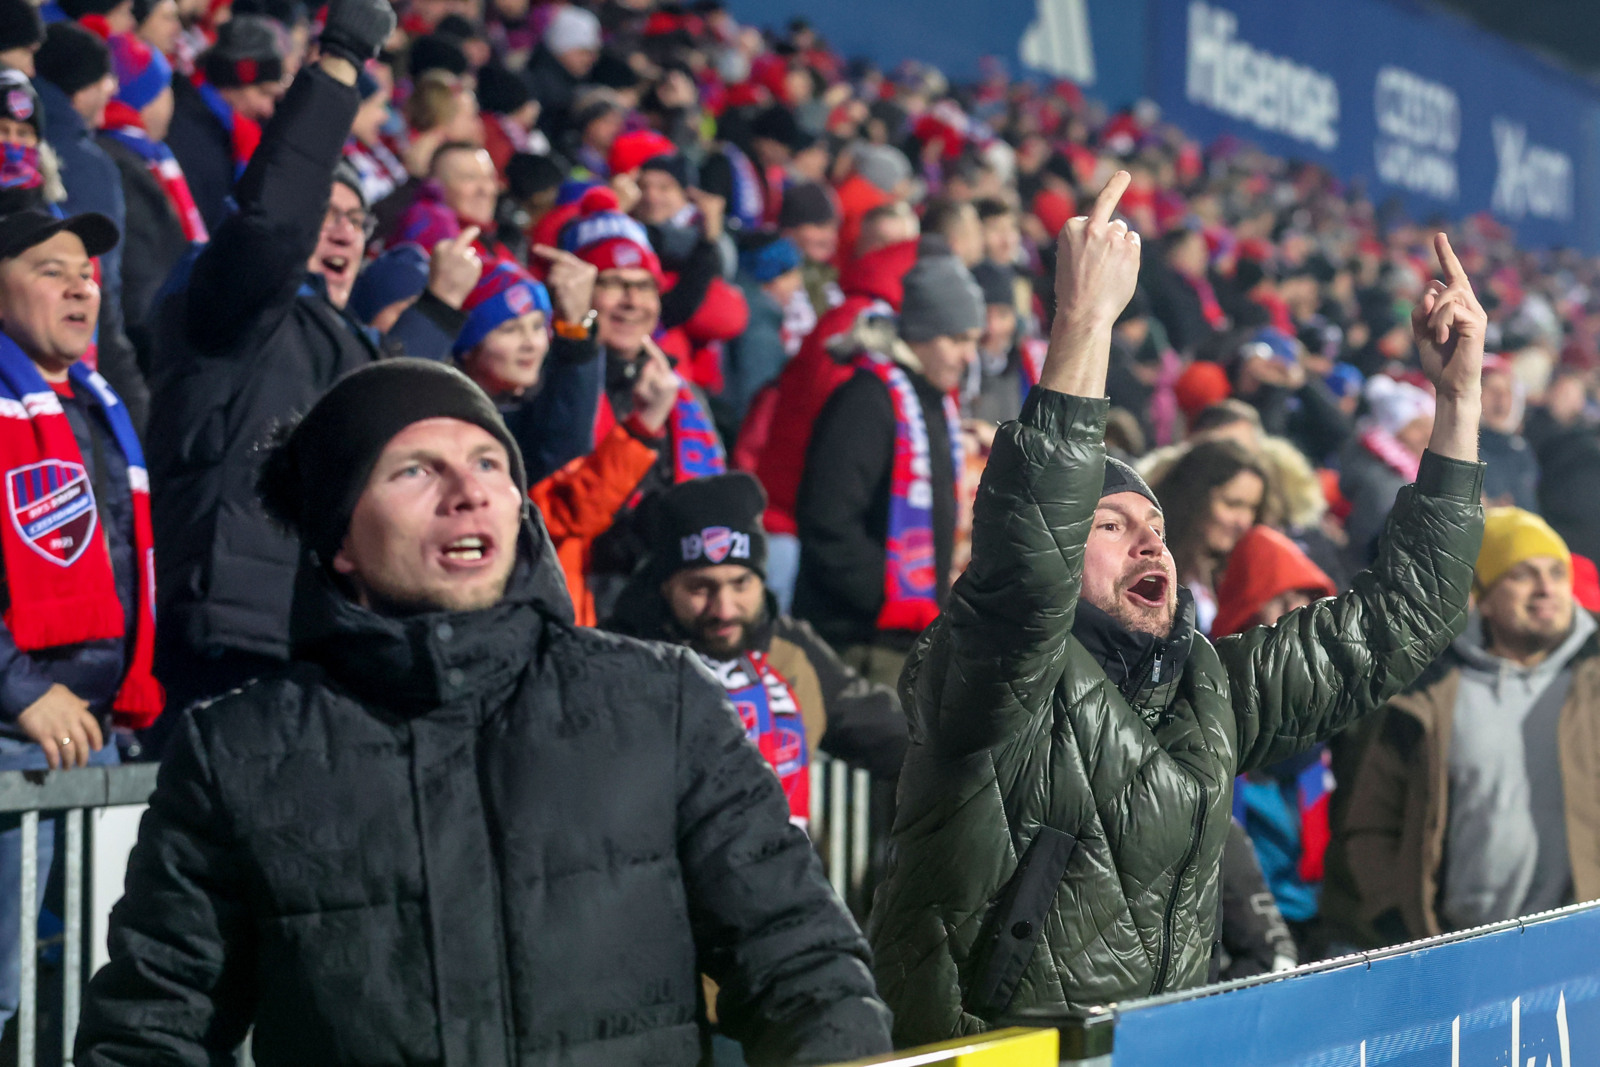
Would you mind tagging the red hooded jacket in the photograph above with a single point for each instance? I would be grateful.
(810, 378)
(1264, 564)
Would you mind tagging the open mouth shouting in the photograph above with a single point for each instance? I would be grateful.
(1149, 591)
(336, 264)
(468, 553)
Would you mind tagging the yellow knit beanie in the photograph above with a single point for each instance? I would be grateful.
(1511, 535)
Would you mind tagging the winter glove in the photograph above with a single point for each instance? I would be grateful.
(356, 29)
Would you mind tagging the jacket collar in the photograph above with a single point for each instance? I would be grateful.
(1144, 668)
(61, 118)
(418, 664)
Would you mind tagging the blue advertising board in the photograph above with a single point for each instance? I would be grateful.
(1419, 106)
(1523, 996)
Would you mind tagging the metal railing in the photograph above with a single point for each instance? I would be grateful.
(842, 827)
(72, 794)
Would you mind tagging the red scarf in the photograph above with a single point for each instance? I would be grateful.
(125, 124)
(772, 722)
(57, 566)
(910, 566)
(1210, 307)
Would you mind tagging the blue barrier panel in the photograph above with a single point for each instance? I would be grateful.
(1422, 107)
(1100, 44)
(1523, 994)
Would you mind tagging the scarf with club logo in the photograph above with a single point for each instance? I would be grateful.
(57, 567)
(772, 722)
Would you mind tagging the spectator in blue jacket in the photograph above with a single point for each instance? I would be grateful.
(770, 275)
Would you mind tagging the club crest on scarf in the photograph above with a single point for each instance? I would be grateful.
(772, 722)
(52, 507)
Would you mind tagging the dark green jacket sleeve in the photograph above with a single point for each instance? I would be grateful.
(1324, 666)
(992, 660)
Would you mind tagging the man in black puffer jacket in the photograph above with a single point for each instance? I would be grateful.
(457, 829)
(250, 337)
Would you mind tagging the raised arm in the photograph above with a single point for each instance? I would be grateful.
(1326, 665)
(991, 661)
(256, 260)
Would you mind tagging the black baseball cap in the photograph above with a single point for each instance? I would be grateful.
(24, 229)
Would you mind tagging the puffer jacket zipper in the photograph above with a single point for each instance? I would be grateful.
(1177, 886)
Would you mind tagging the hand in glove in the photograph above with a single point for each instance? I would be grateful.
(356, 29)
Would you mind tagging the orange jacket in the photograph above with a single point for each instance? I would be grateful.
(579, 501)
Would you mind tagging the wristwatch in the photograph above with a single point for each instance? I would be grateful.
(581, 330)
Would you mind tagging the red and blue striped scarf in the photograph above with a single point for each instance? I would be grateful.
(910, 570)
(124, 124)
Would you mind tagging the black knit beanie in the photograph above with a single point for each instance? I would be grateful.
(528, 175)
(19, 100)
(20, 25)
(437, 52)
(246, 53)
(808, 203)
(678, 165)
(708, 521)
(316, 470)
(501, 91)
(71, 57)
(1121, 478)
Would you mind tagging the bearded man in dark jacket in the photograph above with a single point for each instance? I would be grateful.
(457, 829)
(1063, 806)
(250, 336)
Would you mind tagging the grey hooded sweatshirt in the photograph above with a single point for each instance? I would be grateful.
(1506, 844)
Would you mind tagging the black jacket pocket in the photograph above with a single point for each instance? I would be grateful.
(1017, 922)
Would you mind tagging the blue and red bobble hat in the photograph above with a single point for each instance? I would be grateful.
(507, 292)
(142, 72)
(604, 236)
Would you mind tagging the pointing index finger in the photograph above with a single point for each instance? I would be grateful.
(467, 236)
(1105, 205)
(1453, 271)
(546, 252)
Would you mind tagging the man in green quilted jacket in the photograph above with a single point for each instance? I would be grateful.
(1063, 806)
